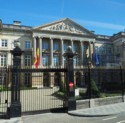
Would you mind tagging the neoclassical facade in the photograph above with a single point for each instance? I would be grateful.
(52, 40)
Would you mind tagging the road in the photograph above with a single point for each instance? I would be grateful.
(65, 118)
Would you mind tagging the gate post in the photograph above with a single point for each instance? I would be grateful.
(70, 87)
(15, 107)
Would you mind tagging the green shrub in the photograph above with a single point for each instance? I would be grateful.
(95, 93)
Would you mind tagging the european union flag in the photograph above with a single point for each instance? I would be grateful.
(96, 57)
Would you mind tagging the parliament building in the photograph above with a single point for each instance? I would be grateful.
(52, 39)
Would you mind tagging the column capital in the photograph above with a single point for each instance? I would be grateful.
(36, 37)
(51, 38)
(61, 39)
(41, 37)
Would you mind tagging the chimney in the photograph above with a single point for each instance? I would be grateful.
(18, 23)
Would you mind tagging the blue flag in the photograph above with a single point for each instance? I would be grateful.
(96, 57)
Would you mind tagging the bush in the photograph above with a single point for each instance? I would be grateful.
(95, 93)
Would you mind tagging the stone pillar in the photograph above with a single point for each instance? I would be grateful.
(52, 79)
(72, 43)
(15, 107)
(90, 56)
(34, 42)
(62, 51)
(86, 52)
(70, 88)
(40, 46)
(81, 52)
(51, 52)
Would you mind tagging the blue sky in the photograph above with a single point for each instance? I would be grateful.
(105, 17)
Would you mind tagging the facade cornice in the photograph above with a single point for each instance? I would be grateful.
(117, 36)
(10, 31)
(62, 33)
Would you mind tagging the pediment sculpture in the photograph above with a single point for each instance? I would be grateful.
(65, 27)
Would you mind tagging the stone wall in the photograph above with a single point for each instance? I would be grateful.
(81, 104)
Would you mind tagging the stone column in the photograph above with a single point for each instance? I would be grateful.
(52, 79)
(72, 43)
(40, 46)
(34, 42)
(51, 52)
(81, 52)
(92, 47)
(62, 52)
(86, 52)
(90, 56)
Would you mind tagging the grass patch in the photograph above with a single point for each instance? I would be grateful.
(59, 94)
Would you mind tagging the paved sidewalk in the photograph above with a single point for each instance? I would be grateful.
(105, 110)
(12, 120)
(89, 112)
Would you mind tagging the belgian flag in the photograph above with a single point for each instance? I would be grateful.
(37, 59)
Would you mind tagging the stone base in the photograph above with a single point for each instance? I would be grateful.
(71, 104)
(15, 110)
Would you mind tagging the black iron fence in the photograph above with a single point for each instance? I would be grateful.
(4, 92)
(41, 89)
(102, 82)
(36, 89)
(28, 89)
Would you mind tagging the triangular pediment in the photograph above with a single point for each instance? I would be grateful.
(65, 25)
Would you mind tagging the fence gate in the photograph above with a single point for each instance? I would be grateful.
(30, 90)
(42, 90)
(4, 93)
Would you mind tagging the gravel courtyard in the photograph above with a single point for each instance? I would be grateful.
(33, 99)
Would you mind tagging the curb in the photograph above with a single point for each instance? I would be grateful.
(106, 110)
(91, 115)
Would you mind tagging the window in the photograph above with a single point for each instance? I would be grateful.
(2, 78)
(75, 48)
(27, 44)
(109, 50)
(118, 49)
(56, 60)
(45, 45)
(102, 50)
(27, 60)
(4, 43)
(75, 60)
(3, 60)
(55, 46)
(14, 43)
(45, 60)
(65, 46)
(27, 81)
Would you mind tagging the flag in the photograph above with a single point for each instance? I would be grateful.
(37, 59)
(96, 57)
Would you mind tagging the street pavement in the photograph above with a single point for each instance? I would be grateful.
(105, 110)
(90, 115)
